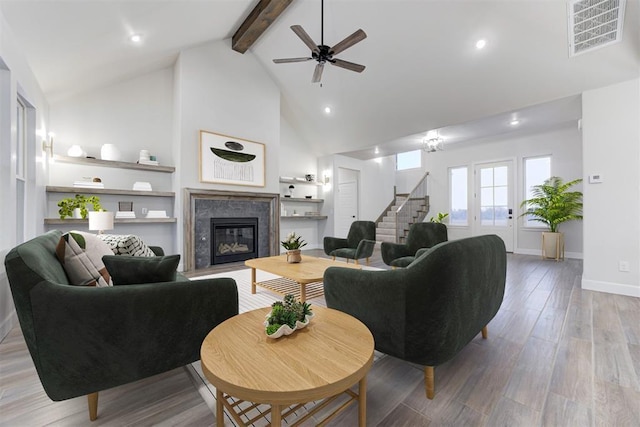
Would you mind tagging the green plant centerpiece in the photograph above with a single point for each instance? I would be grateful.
(286, 316)
(552, 204)
(80, 201)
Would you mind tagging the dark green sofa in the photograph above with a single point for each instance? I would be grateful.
(426, 313)
(85, 339)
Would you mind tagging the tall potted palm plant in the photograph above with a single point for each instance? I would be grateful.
(552, 204)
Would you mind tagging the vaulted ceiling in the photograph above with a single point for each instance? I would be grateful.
(423, 69)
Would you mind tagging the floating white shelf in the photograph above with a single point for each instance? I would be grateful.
(112, 164)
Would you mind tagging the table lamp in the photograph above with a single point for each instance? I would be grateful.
(100, 220)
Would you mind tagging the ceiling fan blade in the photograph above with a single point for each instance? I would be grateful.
(317, 73)
(354, 38)
(285, 60)
(300, 32)
(348, 65)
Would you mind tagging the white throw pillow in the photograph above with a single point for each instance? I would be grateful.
(126, 244)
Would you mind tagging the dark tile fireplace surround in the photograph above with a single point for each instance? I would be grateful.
(204, 207)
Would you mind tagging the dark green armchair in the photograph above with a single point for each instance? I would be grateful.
(86, 339)
(421, 235)
(426, 313)
(359, 243)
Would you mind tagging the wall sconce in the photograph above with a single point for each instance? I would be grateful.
(47, 147)
(326, 181)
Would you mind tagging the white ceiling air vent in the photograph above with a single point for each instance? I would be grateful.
(594, 24)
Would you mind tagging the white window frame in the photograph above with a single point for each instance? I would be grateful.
(452, 221)
(417, 153)
(526, 222)
(21, 139)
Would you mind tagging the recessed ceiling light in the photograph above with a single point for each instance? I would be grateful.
(481, 44)
(514, 122)
(327, 110)
(135, 38)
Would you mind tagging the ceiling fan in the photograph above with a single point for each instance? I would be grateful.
(323, 53)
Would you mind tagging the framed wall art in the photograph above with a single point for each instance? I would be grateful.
(229, 160)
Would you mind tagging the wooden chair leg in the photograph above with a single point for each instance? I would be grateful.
(92, 400)
(485, 332)
(333, 258)
(368, 260)
(429, 381)
(356, 261)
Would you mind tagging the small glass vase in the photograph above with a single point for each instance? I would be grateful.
(293, 256)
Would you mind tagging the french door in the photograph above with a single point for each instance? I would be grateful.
(494, 209)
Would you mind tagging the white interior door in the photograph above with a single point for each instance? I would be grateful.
(494, 201)
(347, 208)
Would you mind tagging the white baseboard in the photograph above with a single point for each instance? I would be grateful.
(611, 288)
(7, 324)
(538, 252)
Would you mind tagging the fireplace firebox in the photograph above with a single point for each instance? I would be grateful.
(233, 239)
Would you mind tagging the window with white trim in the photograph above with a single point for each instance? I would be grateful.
(21, 157)
(536, 171)
(408, 160)
(458, 196)
(21, 138)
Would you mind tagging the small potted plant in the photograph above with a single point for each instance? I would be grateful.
(293, 244)
(552, 205)
(440, 218)
(76, 207)
(286, 316)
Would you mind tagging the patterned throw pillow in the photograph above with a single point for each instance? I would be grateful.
(81, 257)
(126, 244)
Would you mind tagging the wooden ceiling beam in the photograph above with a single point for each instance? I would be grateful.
(263, 15)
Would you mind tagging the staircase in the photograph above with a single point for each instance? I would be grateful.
(386, 226)
(404, 210)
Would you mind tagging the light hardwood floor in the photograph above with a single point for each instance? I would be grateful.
(556, 356)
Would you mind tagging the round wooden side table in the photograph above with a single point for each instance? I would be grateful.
(321, 361)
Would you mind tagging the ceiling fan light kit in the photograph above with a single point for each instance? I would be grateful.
(322, 53)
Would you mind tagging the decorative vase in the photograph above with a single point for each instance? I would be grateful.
(552, 245)
(293, 256)
(77, 213)
(109, 152)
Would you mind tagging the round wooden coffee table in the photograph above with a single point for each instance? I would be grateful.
(321, 361)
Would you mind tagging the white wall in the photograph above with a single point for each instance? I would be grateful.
(222, 91)
(16, 78)
(376, 186)
(611, 140)
(225, 92)
(406, 180)
(297, 160)
(564, 146)
(134, 114)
